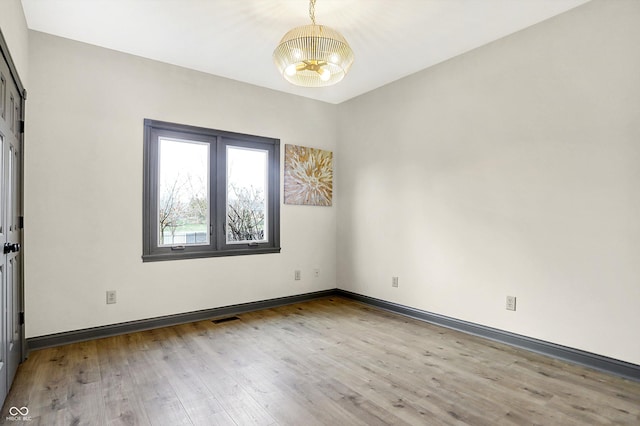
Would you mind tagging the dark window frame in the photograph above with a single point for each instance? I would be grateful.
(217, 140)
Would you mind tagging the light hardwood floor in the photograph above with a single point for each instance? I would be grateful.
(326, 362)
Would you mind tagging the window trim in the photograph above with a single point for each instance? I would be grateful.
(218, 140)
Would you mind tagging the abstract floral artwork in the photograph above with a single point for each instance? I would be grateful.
(308, 176)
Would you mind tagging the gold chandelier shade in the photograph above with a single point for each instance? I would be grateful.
(313, 56)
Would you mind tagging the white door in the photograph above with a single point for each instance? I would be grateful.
(11, 289)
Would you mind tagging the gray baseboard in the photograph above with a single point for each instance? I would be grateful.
(58, 339)
(576, 356)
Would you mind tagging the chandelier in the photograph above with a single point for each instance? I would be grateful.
(313, 55)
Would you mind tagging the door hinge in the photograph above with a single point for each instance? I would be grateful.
(21, 222)
(21, 125)
(21, 318)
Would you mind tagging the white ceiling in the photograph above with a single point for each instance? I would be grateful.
(236, 38)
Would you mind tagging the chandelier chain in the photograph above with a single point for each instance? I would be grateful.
(312, 11)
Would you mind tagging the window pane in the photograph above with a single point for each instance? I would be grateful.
(183, 211)
(246, 195)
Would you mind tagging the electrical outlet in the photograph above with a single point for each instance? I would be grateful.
(511, 303)
(316, 272)
(394, 281)
(296, 275)
(111, 297)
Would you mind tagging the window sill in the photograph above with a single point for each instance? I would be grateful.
(204, 254)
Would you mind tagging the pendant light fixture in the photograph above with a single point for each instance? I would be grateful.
(313, 55)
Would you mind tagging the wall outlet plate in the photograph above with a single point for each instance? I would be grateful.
(394, 281)
(111, 297)
(297, 275)
(511, 303)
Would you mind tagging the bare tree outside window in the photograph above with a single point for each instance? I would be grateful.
(245, 214)
(171, 208)
(246, 198)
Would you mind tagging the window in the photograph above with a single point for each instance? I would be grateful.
(209, 193)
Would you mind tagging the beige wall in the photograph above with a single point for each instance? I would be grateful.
(15, 32)
(83, 188)
(511, 170)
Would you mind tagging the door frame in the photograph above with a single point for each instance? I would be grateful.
(13, 72)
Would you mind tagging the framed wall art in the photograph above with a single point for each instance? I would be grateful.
(308, 176)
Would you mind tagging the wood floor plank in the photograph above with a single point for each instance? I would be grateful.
(330, 361)
(208, 412)
(122, 406)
